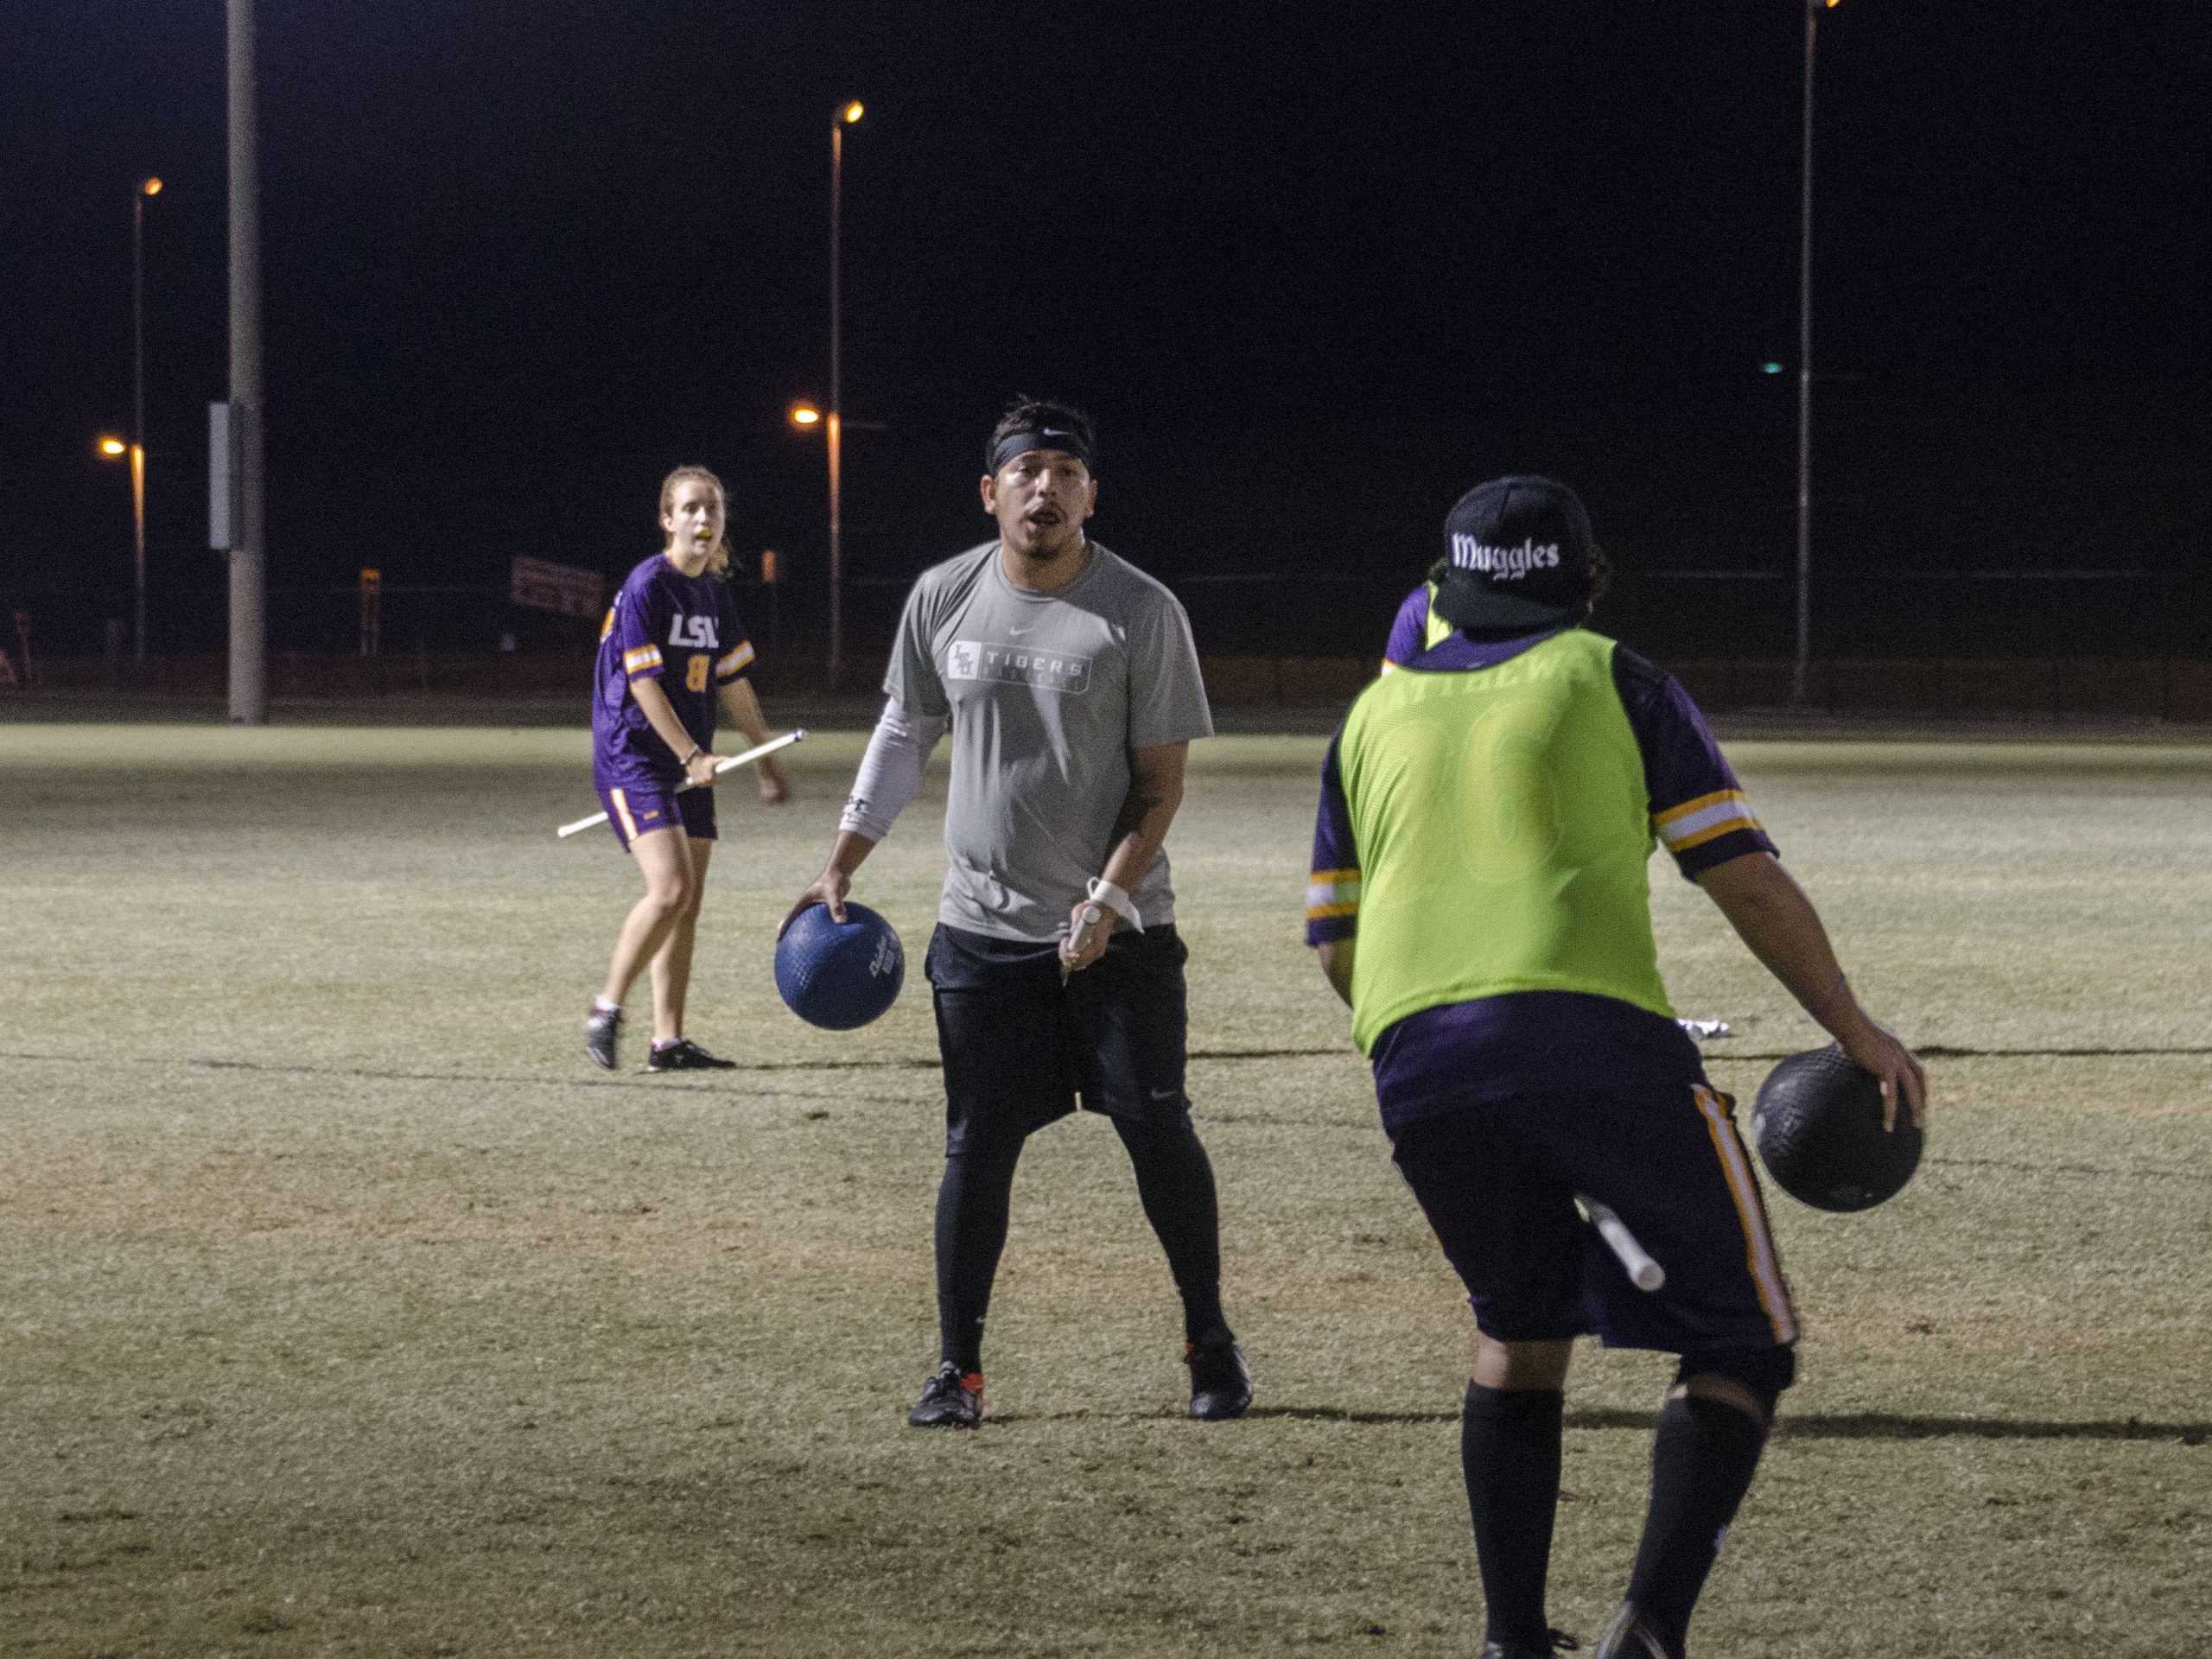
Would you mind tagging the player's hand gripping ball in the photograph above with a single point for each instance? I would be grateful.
(839, 975)
(1818, 1125)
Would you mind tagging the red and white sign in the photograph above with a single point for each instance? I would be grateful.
(563, 588)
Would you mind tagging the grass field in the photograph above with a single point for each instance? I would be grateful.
(344, 1308)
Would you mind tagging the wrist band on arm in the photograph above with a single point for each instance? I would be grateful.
(1116, 899)
(695, 752)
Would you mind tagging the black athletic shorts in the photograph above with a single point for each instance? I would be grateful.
(1021, 1049)
(1497, 1181)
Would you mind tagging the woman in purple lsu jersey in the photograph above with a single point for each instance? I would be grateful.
(671, 644)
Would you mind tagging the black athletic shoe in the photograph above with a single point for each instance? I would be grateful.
(684, 1055)
(1221, 1383)
(1555, 1643)
(1629, 1637)
(949, 1399)
(602, 1031)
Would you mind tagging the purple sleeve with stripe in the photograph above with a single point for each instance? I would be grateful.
(1332, 889)
(1699, 811)
(1409, 628)
(638, 622)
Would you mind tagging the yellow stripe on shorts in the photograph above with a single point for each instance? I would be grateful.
(622, 811)
(1743, 1186)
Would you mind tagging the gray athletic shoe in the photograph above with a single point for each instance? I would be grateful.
(1629, 1637)
(949, 1400)
(1555, 1643)
(684, 1055)
(602, 1031)
(1221, 1383)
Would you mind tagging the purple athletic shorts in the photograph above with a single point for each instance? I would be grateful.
(634, 809)
(1498, 1182)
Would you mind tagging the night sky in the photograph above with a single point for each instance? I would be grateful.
(1315, 271)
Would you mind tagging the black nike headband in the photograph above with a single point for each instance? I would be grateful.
(1039, 437)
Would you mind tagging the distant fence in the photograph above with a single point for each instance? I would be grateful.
(1679, 615)
(2051, 643)
(2173, 690)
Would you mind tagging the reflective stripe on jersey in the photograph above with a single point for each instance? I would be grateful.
(1695, 823)
(1331, 893)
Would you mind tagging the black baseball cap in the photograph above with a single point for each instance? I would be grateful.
(1518, 549)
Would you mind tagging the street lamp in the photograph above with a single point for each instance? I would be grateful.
(1797, 676)
(147, 188)
(846, 114)
(114, 450)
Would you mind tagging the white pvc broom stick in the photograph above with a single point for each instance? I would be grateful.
(721, 767)
(1642, 1271)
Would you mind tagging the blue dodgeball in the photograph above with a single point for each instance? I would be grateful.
(835, 975)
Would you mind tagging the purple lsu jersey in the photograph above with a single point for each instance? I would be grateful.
(680, 631)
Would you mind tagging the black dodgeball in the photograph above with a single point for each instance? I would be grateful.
(1818, 1126)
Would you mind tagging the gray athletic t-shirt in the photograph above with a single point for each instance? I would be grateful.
(1047, 695)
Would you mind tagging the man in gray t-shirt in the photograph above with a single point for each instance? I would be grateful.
(1048, 694)
(1070, 686)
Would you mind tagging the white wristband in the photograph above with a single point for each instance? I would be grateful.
(1115, 900)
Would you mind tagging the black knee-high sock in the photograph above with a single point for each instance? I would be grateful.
(1702, 1461)
(1175, 1182)
(972, 1206)
(1509, 1452)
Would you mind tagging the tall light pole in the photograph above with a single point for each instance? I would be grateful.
(249, 586)
(1798, 672)
(146, 187)
(113, 449)
(846, 114)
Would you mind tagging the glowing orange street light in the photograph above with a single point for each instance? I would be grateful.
(854, 111)
(804, 415)
(153, 186)
(114, 448)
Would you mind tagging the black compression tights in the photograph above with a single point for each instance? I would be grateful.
(1174, 1182)
(971, 1215)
